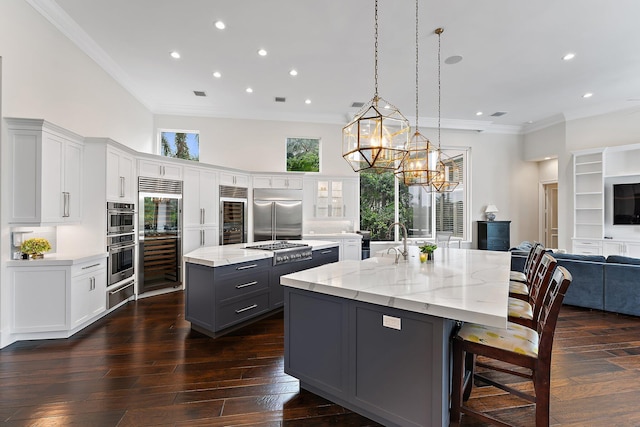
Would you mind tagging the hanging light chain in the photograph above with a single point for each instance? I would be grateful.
(417, 65)
(439, 31)
(375, 60)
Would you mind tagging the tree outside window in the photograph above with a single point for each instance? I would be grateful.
(303, 155)
(423, 212)
(180, 145)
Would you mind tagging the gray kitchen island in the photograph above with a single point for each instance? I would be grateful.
(373, 335)
(229, 286)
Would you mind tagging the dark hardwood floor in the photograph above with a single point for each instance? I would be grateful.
(143, 366)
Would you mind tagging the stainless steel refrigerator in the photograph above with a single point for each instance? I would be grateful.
(277, 214)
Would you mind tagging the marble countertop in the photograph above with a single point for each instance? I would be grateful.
(460, 284)
(344, 235)
(216, 256)
(58, 259)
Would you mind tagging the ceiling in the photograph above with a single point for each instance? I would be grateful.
(512, 57)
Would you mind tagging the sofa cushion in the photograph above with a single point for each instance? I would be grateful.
(576, 257)
(623, 260)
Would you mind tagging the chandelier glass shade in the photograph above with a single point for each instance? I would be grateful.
(376, 137)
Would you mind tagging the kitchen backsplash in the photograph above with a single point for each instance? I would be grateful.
(326, 227)
(20, 234)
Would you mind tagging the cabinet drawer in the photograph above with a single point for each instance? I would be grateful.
(89, 268)
(325, 256)
(241, 284)
(497, 244)
(242, 269)
(235, 312)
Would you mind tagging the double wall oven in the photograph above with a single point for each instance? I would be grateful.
(121, 246)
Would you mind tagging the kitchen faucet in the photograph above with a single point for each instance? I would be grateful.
(404, 233)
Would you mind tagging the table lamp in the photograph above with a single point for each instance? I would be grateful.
(490, 212)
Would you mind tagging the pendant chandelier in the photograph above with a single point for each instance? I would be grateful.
(418, 166)
(377, 137)
(447, 176)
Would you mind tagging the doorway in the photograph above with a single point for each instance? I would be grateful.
(551, 215)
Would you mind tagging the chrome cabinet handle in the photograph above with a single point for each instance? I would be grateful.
(120, 289)
(246, 284)
(246, 267)
(122, 186)
(252, 306)
(65, 208)
(90, 266)
(326, 252)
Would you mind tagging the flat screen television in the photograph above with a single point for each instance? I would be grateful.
(626, 204)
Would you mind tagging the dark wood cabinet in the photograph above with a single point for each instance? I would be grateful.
(494, 235)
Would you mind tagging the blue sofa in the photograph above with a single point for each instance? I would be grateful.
(610, 284)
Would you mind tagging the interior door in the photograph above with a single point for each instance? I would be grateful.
(551, 215)
(262, 220)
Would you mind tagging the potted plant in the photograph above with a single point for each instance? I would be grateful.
(426, 251)
(35, 247)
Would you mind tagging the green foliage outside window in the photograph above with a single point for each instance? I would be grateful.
(377, 211)
(180, 145)
(303, 155)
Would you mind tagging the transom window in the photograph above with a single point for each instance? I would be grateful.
(180, 144)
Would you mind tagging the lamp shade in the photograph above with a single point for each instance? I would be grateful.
(491, 209)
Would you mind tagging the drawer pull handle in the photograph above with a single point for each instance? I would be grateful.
(246, 284)
(121, 289)
(90, 266)
(246, 266)
(326, 252)
(252, 306)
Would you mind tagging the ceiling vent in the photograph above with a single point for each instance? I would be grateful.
(281, 99)
(357, 104)
(199, 93)
(499, 113)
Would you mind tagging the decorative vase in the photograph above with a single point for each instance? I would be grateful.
(429, 256)
(423, 257)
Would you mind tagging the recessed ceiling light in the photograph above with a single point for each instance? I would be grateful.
(530, 122)
(307, 101)
(293, 72)
(479, 113)
(587, 95)
(220, 25)
(387, 106)
(453, 59)
(262, 52)
(217, 74)
(568, 56)
(547, 158)
(249, 90)
(175, 55)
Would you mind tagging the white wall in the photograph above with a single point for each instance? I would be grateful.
(548, 171)
(259, 145)
(46, 76)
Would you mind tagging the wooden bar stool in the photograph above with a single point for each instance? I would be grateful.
(519, 289)
(524, 312)
(516, 345)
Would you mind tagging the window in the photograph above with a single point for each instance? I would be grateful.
(385, 200)
(180, 144)
(303, 155)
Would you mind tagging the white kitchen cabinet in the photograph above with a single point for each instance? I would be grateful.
(622, 248)
(56, 299)
(197, 237)
(46, 177)
(121, 177)
(88, 291)
(587, 247)
(233, 178)
(332, 197)
(200, 198)
(156, 169)
(352, 249)
(277, 181)
(39, 299)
